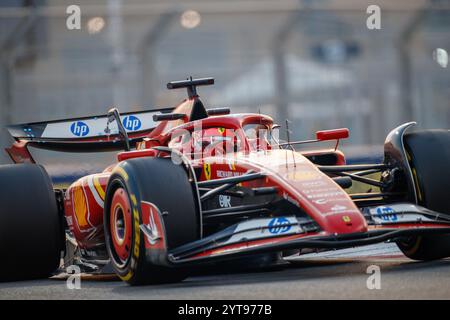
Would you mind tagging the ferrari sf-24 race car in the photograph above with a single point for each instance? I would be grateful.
(197, 187)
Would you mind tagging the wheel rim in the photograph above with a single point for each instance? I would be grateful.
(410, 245)
(120, 225)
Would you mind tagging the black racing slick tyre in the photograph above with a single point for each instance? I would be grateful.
(30, 225)
(429, 158)
(166, 186)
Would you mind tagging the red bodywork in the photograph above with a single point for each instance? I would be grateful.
(298, 179)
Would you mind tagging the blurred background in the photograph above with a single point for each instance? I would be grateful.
(313, 62)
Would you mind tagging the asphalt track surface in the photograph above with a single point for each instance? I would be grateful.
(335, 275)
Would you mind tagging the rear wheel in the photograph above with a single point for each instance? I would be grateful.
(30, 226)
(429, 158)
(166, 186)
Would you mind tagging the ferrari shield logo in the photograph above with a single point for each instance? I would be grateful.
(207, 171)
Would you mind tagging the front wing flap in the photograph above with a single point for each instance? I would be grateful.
(266, 235)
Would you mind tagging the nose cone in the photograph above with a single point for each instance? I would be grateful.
(345, 222)
(316, 193)
(332, 208)
(323, 200)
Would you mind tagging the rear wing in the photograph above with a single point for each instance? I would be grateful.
(87, 134)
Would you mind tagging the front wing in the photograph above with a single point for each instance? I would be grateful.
(266, 235)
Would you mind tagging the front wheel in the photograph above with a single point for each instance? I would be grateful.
(425, 248)
(163, 185)
(429, 158)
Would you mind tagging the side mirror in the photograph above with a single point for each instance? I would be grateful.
(218, 111)
(334, 134)
(169, 116)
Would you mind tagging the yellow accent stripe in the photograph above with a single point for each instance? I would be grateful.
(121, 171)
(416, 246)
(416, 180)
(127, 277)
(80, 206)
(137, 239)
(207, 171)
(99, 188)
(133, 199)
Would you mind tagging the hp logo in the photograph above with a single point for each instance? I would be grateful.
(387, 214)
(79, 128)
(131, 123)
(279, 225)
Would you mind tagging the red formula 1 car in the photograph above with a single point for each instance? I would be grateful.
(195, 187)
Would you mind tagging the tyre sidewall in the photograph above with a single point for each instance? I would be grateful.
(129, 271)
